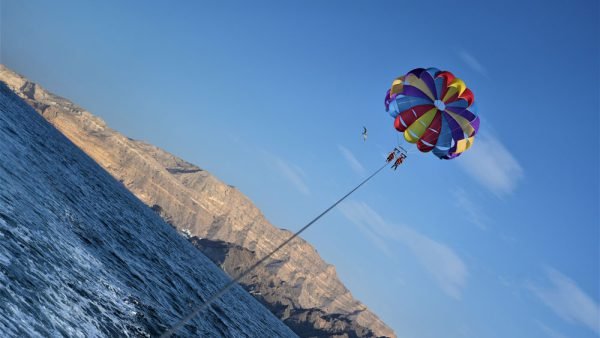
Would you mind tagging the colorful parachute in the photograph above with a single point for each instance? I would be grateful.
(435, 110)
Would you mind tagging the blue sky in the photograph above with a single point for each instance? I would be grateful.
(271, 97)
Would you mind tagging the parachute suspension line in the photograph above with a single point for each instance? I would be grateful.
(233, 282)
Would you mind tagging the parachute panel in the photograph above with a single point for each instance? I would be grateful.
(414, 132)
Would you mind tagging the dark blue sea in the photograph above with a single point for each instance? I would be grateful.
(80, 256)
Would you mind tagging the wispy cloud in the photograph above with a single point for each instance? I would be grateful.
(472, 211)
(490, 163)
(440, 261)
(293, 174)
(550, 332)
(472, 62)
(354, 163)
(568, 301)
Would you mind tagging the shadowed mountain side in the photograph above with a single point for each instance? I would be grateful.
(297, 285)
(267, 288)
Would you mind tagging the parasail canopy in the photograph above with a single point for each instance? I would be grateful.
(435, 110)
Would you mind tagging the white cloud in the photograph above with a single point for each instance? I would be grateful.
(550, 332)
(472, 62)
(568, 301)
(440, 261)
(354, 163)
(293, 174)
(490, 163)
(472, 211)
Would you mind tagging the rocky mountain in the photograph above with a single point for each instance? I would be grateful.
(80, 256)
(296, 284)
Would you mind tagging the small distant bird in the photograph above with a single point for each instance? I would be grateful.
(364, 133)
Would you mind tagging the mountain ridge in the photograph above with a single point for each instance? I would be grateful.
(295, 285)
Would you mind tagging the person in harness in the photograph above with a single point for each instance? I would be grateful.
(399, 161)
(391, 156)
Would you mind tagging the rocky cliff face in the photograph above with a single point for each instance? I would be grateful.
(296, 284)
(268, 287)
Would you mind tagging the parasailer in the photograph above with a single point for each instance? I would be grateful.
(391, 156)
(398, 161)
(435, 110)
(364, 133)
